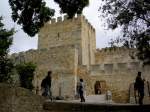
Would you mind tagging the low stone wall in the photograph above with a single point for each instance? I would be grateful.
(16, 99)
(86, 107)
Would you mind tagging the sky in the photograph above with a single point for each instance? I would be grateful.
(22, 42)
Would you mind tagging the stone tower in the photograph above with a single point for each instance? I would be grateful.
(76, 32)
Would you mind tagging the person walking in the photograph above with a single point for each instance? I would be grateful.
(81, 90)
(139, 86)
(46, 85)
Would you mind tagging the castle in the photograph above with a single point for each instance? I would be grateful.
(68, 48)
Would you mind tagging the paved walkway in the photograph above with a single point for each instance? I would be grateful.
(91, 99)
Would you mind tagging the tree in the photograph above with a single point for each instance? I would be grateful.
(6, 65)
(133, 16)
(26, 74)
(30, 14)
(71, 7)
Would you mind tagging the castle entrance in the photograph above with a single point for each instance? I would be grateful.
(100, 87)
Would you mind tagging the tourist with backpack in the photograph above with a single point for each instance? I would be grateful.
(46, 85)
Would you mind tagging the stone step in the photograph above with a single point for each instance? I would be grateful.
(96, 98)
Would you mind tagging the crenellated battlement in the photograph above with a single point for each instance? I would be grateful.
(31, 51)
(112, 50)
(115, 55)
(61, 19)
(64, 18)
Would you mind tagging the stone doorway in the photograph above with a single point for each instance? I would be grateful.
(100, 87)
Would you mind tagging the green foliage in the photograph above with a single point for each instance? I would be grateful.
(26, 74)
(30, 14)
(133, 16)
(71, 7)
(6, 64)
(143, 45)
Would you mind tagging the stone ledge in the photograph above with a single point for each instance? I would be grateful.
(91, 107)
(17, 99)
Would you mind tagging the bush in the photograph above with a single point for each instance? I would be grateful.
(6, 64)
(26, 74)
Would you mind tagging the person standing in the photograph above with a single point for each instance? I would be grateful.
(81, 90)
(139, 86)
(46, 85)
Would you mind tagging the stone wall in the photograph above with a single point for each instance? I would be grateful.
(60, 33)
(83, 73)
(88, 43)
(118, 77)
(114, 55)
(77, 31)
(61, 60)
(16, 99)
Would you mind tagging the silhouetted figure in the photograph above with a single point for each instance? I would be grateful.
(46, 85)
(139, 86)
(81, 90)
